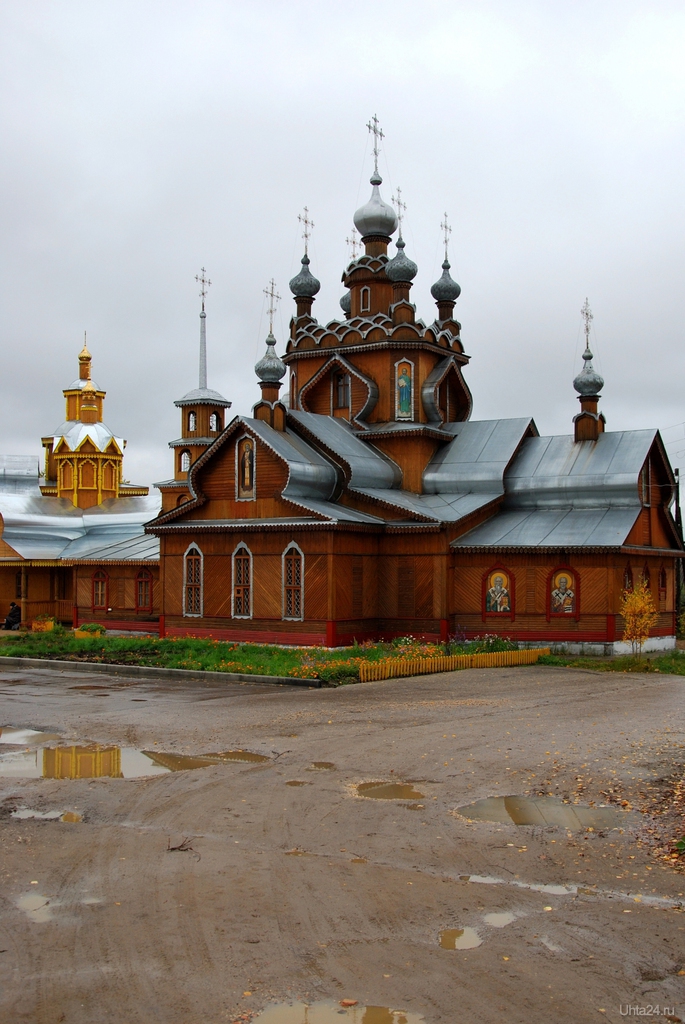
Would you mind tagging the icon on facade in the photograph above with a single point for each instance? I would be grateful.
(246, 468)
(563, 596)
(404, 405)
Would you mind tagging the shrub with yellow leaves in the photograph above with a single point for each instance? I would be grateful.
(639, 615)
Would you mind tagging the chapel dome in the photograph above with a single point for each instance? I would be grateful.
(270, 368)
(305, 285)
(588, 382)
(375, 217)
(401, 268)
(346, 303)
(445, 288)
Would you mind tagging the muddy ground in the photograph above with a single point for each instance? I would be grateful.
(312, 892)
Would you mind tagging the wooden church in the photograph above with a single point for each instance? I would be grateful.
(365, 502)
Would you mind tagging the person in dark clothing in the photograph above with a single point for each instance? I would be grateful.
(14, 617)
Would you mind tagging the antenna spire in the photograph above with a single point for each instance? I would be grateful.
(588, 317)
(401, 207)
(274, 298)
(377, 133)
(446, 231)
(307, 224)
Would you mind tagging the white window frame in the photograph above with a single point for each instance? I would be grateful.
(186, 613)
(365, 299)
(300, 617)
(236, 549)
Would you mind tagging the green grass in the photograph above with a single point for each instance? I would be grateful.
(672, 662)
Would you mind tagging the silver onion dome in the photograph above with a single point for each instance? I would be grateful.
(588, 382)
(375, 217)
(346, 303)
(305, 285)
(401, 268)
(270, 368)
(445, 289)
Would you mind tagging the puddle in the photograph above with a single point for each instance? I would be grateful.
(23, 813)
(499, 920)
(26, 737)
(544, 810)
(296, 783)
(334, 1013)
(459, 938)
(36, 907)
(326, 766)
(89, 686)
(389, 791)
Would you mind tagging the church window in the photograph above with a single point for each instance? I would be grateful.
(192, 421)
(100, 581)
(144, 591)
(646, 577)
(663, 583)
(342, 391)
(67, 472)
(242, 583)
(192, 581)
(184, 461)
(293, 583)
(214, 422)
(109, 476)
(88, 474)
(627, 578)
(365, 297)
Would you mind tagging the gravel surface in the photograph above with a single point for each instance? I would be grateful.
(309, 891)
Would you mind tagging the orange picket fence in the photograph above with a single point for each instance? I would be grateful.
(391, 668)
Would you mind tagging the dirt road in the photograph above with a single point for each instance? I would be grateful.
(293, 886)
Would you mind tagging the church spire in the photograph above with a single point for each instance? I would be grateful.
(588, 423)
(204, 283)
(445, 291)
(304, 286)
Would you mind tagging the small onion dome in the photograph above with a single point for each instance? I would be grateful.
(588, 382)
(401, 268)
(375, 217)
(305, 285)
(270, 368)
(346, 303)
(445, 289)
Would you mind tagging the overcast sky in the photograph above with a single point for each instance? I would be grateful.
(143, 140)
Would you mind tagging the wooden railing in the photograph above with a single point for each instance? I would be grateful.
(391, 668)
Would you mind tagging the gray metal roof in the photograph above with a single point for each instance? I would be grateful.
(367, 467)
(203, 396)
(19, 474)
(309, 474)
(143, 547)
(534, 528)
(478, 457)
(75, 432)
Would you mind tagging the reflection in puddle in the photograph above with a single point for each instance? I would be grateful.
(35, 906)
(298, 853)
(543, 810)
(460, 938)
(24, 813)
(334, 1013)
(499, 920)
(93, 761)
(389, 791)
(326, 766)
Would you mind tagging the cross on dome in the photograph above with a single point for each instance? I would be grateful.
(377, 133)
(308, 225)
(353, 241)
(204, 283)
(588, 317)
(447, 231)
(401, 207)
(274, 298)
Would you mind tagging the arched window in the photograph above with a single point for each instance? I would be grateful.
(627, 578)
(293, 583)
(646, 577)
(192, 421)
(88, 474)
(192, 581)
(342, 390)
(214, 422)
(242, 583)
(67, 471)
(365, 304)
(17, 586)
(144, 591)
(663, 583)
(184, 461)
(109, 476)
(100, 581)
(182, 499)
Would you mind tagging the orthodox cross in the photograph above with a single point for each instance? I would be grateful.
(447, 231)
(587, 316)
(274, 298)
(396, 200)
(308, 225)
(377, 133)
(353, 243)
(204, 283)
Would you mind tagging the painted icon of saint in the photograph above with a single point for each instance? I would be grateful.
(247, 469)
(497, 596)
(563, 597)
(404, 391)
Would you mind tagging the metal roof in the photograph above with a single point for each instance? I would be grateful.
(309, 474)
(367, 466)
(477, 458)
(19, 474)
(75, 432)
(587, 527)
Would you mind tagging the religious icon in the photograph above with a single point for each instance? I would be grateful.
(563, 596)
(404, 410)
(246, 468)
(497, 592)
